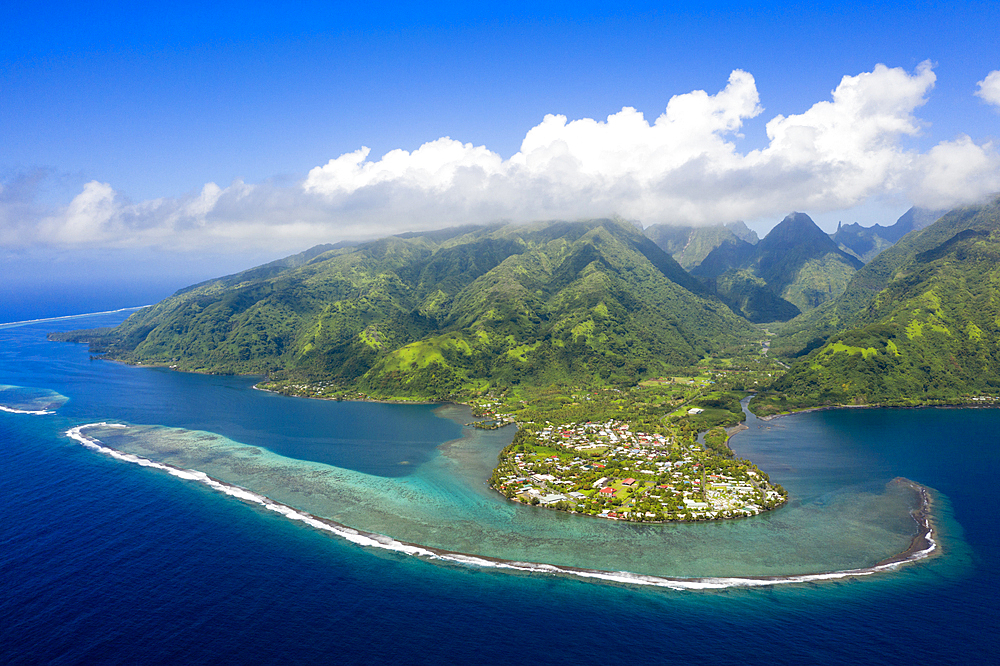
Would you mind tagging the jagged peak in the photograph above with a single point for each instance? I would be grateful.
(742, 231)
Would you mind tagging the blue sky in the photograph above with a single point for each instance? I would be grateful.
(227, 134)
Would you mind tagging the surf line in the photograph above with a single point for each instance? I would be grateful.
(7, 324)
(24, 411)
(921, 546)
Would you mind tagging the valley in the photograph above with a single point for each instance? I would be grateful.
(623, 371)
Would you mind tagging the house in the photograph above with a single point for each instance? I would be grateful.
(608, 492)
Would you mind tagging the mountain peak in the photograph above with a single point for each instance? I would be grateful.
(797, 229)
(797, 221)
(742, 231)
(795, 268)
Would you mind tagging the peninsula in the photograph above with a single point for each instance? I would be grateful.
(610, 471)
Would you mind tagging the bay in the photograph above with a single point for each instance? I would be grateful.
(115, 563)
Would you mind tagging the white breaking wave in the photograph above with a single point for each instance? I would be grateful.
(373, 540)
(24, 411)
(11, 324)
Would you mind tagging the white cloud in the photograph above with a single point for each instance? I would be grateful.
(953, 170)
(91, 216)
(559, 160)
(683, 167)
(693, 126)
(989, 88)
(433, 166)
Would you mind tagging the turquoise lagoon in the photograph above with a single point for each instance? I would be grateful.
(417, 474)
(444, 503)
(87, 537)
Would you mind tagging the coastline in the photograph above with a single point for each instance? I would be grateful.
(922, 545)
(943, 405)
(735, 429)
(384, 401)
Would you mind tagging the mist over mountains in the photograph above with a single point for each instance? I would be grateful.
(472, 308)
(796, 268)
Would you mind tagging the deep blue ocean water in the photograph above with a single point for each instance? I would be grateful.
(105, 562)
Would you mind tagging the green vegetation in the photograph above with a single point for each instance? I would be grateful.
(810, 330)
(588, 326)
(866, 243)
(752, 297)
(631, 454)
(608, 470)
(443, 314)
(796, 268)
(929, 336)
(691, 245)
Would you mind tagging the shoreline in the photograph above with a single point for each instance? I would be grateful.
(405, 401)
(922, 545)
(13, 410)
(923, 541)
(947, 405)
(383, 401)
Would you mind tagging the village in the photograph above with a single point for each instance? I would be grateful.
(610, 471)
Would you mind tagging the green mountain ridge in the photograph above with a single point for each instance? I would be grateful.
(795, 268)
(462, 311)
(920, 323)
(444, 312)
(866, 243)
(690, 245)
(811, 329)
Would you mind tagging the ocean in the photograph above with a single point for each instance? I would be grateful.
(107, 561)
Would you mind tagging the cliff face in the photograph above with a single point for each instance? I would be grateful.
(866, 243)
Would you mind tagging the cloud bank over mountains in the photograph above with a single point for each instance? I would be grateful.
(683, 167)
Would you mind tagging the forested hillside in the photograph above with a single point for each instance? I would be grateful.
(924, 322)
(443, 312)
(794, 269)
(691, 245)
(810, 330)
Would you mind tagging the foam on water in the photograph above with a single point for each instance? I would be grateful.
(26, 322)
(922, 545)
(11, 410)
